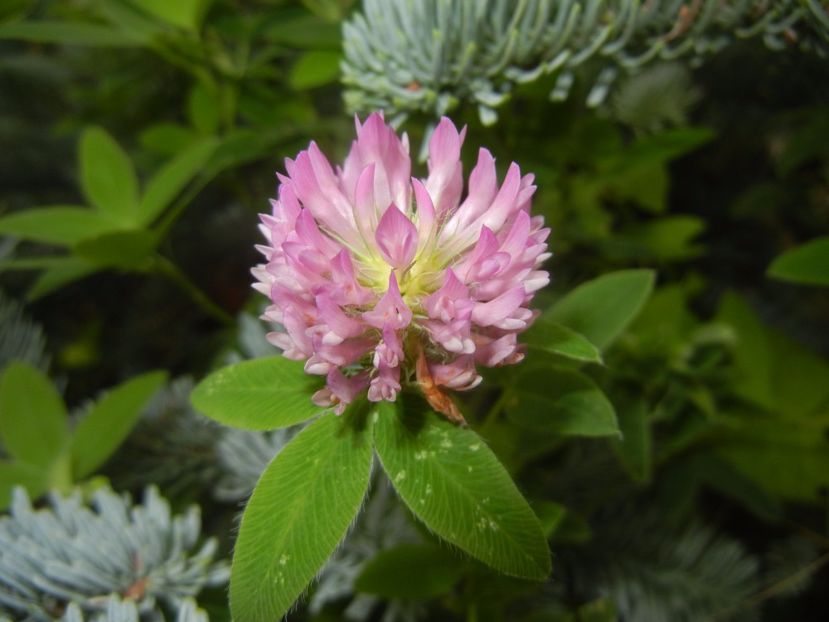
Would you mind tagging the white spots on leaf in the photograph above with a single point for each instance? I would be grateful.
(400, 476)
(283, 560)
(475, 447)
(421, 455)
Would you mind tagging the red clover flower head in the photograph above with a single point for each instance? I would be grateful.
(378, 277)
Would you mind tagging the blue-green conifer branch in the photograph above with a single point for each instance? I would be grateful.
(73, 553)
(427, 56)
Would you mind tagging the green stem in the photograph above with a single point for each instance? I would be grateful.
(174, 273)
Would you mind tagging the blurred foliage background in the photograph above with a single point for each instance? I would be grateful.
(139, 143)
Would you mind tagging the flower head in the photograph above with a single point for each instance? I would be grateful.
(377, 276)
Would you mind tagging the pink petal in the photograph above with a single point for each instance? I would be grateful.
(516, 240)
(459, 374)
(338, 322)
(504, 203)
(309, 233)
(365, 208)
(425, 213)
(346, 388)
(377, 143)
(390, 310)
(445, 181)
(345, 289)
(385, 385)
(396, 238)
(490, 267)
(488, 313)
(485, 247)
(442, 303)
(345, 353)
(318, 190)
(295, 328)
(483, 184)
(390, 350)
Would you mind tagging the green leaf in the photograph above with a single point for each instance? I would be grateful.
(261, 394)
(109, 421)
(305, 32)
(411, 571)
(124, 250)
(33, 421)
(167, 138)
(572, 529)
(769, 369)
(55, 277)
(187, 14)
(634, 448)
(549, 336)
(203, 109)
(805, 142)
(561, 402)
(728, 481)
(550, 514)
(807, 264)
(12, 474)
(14, 9)
(601, 309)
(752, 356)
(789, 458)
(299, 512)
(33, 263)
(647, 185)
(315, 68)
(798, 377)
(665, 325)
(171, 179)
(64, 226)
(242, 146)
(662, 240)
(452, 482)
(661, 148)
(70, 33)
(108, 177)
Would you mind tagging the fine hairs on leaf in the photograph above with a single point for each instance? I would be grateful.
(382, 524)
(243, 455)
(79, 554)
(298, 514)
(427, 56)
(454, 483)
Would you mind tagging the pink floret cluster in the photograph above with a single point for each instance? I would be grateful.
(370, 270)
